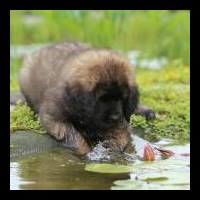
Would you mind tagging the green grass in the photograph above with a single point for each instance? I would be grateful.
(23, 118)
(167, 91)
(155, 33)
(172, 106)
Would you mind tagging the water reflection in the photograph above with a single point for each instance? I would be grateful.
(16, 180)
(57, 169)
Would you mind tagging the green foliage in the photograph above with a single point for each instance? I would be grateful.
(175, 72)
(14, 86)
(22, 118)
(156, 33)
(167, 91)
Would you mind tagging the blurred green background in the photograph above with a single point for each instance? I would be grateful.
(156, 32)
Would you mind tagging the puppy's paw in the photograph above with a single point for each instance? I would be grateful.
(100, 153)
(150, 114)
(145, 111)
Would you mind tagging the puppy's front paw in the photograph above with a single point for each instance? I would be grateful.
(149, 114)
(100, 153)
(145, 111)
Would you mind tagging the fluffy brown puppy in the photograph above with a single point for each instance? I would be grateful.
(82, 95)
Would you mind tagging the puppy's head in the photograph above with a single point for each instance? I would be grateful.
(103, 95)
(114, 103)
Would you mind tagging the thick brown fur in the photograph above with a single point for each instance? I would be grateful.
(82, 95)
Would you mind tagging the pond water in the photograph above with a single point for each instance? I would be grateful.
(53, 167)
(56, 169)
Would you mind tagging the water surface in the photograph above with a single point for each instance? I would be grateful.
(56, 168)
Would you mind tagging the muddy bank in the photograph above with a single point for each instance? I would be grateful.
(27, 142)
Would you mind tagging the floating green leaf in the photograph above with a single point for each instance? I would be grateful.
(108, 168)
(141, 185)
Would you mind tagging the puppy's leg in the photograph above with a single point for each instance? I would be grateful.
(64, 132)
(145, 111)
(118, 138)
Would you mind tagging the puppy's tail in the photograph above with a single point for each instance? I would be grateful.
(14, 97)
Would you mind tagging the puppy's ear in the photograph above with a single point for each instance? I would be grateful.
(78, 102)
(131, 101)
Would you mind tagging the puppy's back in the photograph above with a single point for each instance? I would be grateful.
(41, 70)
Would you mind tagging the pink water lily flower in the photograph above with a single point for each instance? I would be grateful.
(165, 152)
(148, 154)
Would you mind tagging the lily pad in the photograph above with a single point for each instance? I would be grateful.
(148, 166)
(169, 174)
(141, 185)
(108, 168)
(157, 177)
(167, 177)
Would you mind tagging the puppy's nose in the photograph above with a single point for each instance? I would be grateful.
(114, 117)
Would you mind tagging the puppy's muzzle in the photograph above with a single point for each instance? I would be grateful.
(115, 117)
